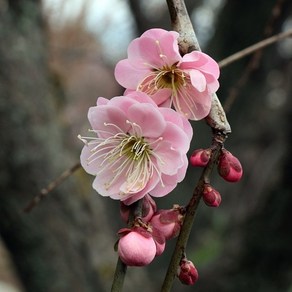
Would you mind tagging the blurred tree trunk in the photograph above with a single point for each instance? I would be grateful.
(65, 243)
(55, 247)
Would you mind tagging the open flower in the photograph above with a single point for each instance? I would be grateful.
(155, 66)
(139, 148)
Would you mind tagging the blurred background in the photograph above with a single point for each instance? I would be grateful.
(56, 58)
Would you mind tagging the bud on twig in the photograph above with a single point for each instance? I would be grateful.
(187, 272)
(229, 167)
(211, 197)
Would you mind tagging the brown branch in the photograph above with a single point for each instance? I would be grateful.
(180, 247)
(251, 49)
(216, 120)
(188, 42)
(51, 186)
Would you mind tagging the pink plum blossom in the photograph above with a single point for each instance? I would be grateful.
(155, 66)
(137, 148)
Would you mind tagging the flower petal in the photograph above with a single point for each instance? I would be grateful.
(148, 118)
(198, 80)
(107, 120)
(128, 75)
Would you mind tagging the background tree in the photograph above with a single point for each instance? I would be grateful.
(66, 243)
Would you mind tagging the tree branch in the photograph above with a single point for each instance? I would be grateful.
(216, 120)
(251, 49)
(188, 42)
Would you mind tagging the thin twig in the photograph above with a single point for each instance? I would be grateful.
(253, 63)
(119, 276)
(251, 49)
(51, 186)
(180, 247)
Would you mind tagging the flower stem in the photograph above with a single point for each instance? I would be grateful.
(179, 251)
(119, 276)
(121, 268)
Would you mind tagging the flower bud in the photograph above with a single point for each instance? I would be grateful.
(200, 157)
(148, 209)
(211, 197)
(168, 222)
(136, 246)
(229, 167)
(187, 272)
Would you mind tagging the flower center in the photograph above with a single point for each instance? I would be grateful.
(126, 159)
(166, 77)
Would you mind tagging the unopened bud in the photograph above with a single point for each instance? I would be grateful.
(211, 197)
(187, 272)
(200, 157)
(136, 246)
(168, 222)
(229, 167)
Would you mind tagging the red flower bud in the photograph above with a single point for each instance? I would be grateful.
(187, 272)
(211, 197)
(200, 157)
(168, 222)
(229, 167)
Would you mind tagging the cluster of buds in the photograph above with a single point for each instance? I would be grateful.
(229, 168)
(146, 239)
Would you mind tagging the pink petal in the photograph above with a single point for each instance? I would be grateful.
(169, 158)
(140, 97)
(85, 153)
(176, 136)
(148, 118)
(145, 53)
(200, 61)
(157, 33)
(163, 190)
(102, 101)
(212, 83)
(193, 60)
(123, 103)
(198, 80)
(162, 96)
(99, 116)
(128, 75)
(179, 120)
(195, 106)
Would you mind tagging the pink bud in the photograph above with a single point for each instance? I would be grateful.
(229, 167)
(136, 247)
(187, 272)
(211, 197)
(148, 209)
(200, 157)
(168, 222)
